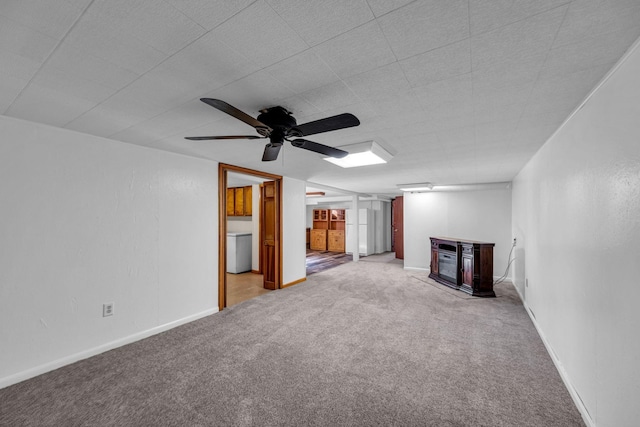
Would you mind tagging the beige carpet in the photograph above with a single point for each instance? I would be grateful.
(362, 344)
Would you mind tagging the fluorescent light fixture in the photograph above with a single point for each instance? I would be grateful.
(427, 186)
(362, 154)
(423, 186)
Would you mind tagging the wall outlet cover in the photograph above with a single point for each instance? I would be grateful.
(107, 309)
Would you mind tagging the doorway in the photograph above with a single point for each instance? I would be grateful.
(260, 222)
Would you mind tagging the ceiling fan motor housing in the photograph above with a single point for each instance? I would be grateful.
(278, 119)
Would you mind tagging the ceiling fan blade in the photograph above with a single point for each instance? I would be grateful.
(340, 121)
(205, 138)
(271, 152)
(233, 111)
(319, 148)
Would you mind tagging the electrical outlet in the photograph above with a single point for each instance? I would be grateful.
(107, 309)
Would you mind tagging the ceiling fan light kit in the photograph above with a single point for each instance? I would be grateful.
(278, 125)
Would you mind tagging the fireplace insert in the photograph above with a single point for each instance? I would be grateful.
(447, 265)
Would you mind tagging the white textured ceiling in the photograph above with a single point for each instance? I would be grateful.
(461, 91)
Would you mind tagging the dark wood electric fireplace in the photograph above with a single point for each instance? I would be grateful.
(466, 265)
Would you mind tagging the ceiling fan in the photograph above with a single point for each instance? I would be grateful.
(277, 124)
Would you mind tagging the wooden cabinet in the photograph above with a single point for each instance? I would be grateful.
(466, 265)
(335, 240)
(239, 202)
(336, 234)
(231, 201)
(318, 235)
(248, 200)
(318, 240)
(320, 219)
(328, 233)
(337, 216)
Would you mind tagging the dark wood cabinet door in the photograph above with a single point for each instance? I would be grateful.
(467, 270)
(434, 261)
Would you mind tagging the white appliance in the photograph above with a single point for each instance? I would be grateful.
(366, 229)
(238, 252)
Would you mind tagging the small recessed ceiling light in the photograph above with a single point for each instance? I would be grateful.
(362, 154)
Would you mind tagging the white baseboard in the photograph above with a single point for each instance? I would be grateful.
(67, 360)
(586, 417)
(417, 269)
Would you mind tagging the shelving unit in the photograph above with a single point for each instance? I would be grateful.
(335, 235)
(320, 219)
(318, 234)
(328, 233)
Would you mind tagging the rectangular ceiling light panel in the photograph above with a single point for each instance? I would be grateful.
(361, 154)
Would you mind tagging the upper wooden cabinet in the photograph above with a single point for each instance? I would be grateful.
(239, 201)
(337, 219)
(231, 197)
(248, 201)
(320, 220)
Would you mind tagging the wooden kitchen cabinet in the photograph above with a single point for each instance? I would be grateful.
(248, 201)
(231, 201)
(239, 202)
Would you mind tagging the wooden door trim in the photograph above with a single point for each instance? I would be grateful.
(223, 168)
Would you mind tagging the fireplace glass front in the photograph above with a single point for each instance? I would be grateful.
(447, 265)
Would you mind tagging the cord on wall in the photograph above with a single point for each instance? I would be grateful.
(506, 272)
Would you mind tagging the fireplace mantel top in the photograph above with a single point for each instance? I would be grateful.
(456, 240)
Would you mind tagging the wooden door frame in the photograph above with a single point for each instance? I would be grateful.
(223, 169)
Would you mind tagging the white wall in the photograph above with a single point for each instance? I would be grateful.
(242, 224)
(86, 221)
(483, 215)
(576, 210)
(294, 239)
